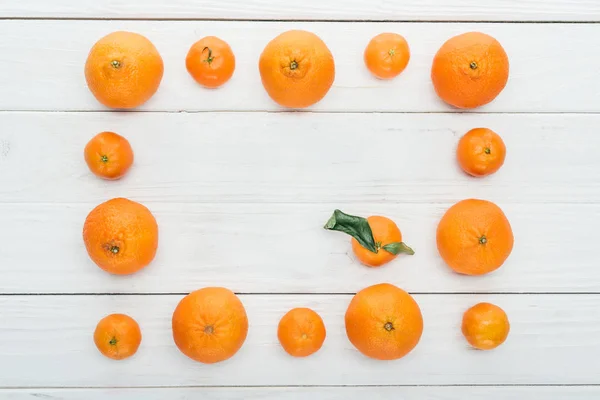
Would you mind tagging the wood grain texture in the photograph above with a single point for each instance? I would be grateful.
(320, 393)
(276, 248)
(298, 158)
(42, 66)
(241, 192)
(47, 342)
(414, 10)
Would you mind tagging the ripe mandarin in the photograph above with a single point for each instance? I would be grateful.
(108, 155)
(470, 70)
(485, 326)
(387, 55)
(296, 69)
(121, 236)
(123, 70)
(384, 322)
(301, 332)
(474, 237)
(481, 152)
(117, 336)
(210, 325)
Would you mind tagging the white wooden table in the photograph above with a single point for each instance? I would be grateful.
(241, 189)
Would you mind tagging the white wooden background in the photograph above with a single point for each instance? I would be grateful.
(241, 189)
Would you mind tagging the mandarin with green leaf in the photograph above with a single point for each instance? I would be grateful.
(375, 240)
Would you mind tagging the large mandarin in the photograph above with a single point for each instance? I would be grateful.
(121, 236)
(384, 322)
(210, 325)
(470, 70)
(474, 237)
(296, 69)
(123, 70)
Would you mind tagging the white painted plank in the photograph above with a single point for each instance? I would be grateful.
(320, 393)
(411, 10)
(276, 248)
(47, 342)
(553, 66)
(298, 157)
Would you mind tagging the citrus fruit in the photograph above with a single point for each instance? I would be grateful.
(210, 61)
(387, 55)
(485, 326)
(384, 322)
(296, 69)
(481, 152)
(470, 70)
(108, 155)
(210, 325)
(121, 236)
(117, 336)
(301, 332)
(123, 70)
(375, 240)
(474, 237)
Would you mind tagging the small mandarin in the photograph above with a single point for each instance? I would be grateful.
(121, 236)
(210, 62)
(108, 155)
(481, 152)
(384, 322)
(301, 332)
(485, 326)
(375, 240)
(123, 70)
(387, 55)
(117, 336)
